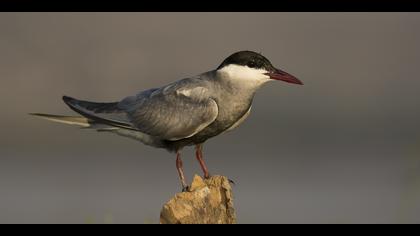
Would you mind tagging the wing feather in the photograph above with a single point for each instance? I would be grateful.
(176, 111)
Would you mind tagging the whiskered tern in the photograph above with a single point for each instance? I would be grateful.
(186, 112)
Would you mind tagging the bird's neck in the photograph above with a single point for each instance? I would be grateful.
(233, 96)
(233, 85)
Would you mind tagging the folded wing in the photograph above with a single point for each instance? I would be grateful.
(179, 110)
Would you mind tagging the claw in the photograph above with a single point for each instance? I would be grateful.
(186, 189)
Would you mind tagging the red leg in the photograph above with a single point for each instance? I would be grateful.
(199, 156)
(181, 171)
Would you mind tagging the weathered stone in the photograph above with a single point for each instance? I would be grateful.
(209, 201)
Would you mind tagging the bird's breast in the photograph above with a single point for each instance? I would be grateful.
(233, 102)
(232, 112)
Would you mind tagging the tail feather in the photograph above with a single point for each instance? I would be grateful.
(100, 127)
(70, 120)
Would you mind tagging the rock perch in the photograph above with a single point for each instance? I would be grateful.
(209, 201)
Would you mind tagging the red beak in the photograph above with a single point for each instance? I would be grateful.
(284, 76)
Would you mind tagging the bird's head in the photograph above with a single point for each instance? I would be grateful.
(252, 67)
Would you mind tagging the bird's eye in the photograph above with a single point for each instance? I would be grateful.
(251, 64)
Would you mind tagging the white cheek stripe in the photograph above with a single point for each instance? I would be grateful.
(244, 73)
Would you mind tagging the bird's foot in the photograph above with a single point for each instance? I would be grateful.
(185, 189)
(208, 176)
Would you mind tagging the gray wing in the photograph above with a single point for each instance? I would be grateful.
(176, 111)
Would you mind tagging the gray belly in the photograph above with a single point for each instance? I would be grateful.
(228, 119)
(240, 121)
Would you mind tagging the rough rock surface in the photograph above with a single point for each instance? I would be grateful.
(209, 201)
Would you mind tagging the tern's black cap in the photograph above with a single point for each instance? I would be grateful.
(248, 58)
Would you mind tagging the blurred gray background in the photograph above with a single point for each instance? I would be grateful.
(343, 148)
